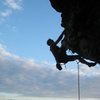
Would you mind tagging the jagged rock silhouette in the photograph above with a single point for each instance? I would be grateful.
(81, 22)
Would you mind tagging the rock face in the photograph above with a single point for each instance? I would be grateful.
(81, 22)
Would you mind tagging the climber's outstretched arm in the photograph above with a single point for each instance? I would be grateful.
(60, 37)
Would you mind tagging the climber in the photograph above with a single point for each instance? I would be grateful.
(61, 56)
(59, 53)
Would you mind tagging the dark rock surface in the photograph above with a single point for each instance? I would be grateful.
(81, 22)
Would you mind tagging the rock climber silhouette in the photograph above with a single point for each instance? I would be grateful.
(60, 54)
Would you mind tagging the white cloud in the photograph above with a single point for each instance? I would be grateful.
(28, 77)
(5, 13)
(14, 4)
(9, 7)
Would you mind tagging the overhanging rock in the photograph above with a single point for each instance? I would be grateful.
(81, 22)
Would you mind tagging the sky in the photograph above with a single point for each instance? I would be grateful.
(26, 25)
(27, 67)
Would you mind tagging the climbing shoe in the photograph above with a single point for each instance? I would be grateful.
(58, 66)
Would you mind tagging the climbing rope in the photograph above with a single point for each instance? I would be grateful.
(78, 81)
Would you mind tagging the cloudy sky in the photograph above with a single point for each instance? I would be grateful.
(27, 67)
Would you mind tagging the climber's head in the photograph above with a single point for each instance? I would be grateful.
(49, 42)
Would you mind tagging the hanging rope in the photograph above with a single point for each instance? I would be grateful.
(78, 81)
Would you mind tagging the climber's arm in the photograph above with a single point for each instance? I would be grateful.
(60, 37)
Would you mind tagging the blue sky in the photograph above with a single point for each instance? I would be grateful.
(25, 30)
(27, 67)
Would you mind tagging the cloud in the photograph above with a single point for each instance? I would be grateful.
(31, 78)
(5, 13)
(9, 7)
(14, 4)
